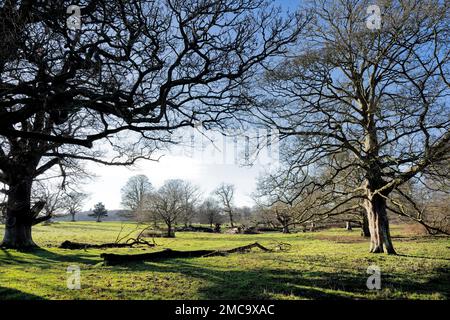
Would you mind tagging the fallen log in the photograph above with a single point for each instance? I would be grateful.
(194, 229)
(114, 259)
(77, 245)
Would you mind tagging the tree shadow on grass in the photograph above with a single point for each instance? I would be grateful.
(422, 257)
(260, 283)
(266, 283)
(45, 258)
(14, 294)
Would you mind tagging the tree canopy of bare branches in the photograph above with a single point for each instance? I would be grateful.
(225, 195)
(114, 89)
(168, 203)
(379, 96)
(135, 192)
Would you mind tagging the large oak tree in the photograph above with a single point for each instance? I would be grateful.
(115, 88)
(378, 95)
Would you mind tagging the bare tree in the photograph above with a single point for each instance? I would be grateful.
(168, 203)
(280, 208)
(129, 75)
(134, 193)
(225, 195)
(426, 204)
(73, 202)
(209, 210)
(191, 197)
(376, 94)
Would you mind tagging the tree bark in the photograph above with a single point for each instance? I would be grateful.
(286, 229)
(380, 238)
(231, 219)
(19, 218)
(348, 226)
(115, 259)
(365, 232)
(17, 235)
(170, 233)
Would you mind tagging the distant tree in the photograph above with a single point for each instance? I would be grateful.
(425, 203)
(168, 203)
(225, 195)
(135, 192)
(209, 212)
(278, 208)
(73, 202)
(243, 214)
(51, 198)
(284, 214)
(191, 197)
(99, 211)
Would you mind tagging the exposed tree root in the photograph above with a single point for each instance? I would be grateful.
(114, 259)
(77, 246)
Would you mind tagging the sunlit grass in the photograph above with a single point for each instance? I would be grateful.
(329, 264)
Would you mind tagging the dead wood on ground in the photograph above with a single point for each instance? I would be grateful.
(114, 259)
(130, 243)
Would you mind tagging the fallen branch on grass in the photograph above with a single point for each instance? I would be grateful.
(128, 244)
(116, 244)
(114, 259)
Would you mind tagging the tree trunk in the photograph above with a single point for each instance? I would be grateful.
(73, 217)
(348, 226)
(17, 236)
(286, 229)
(380, 238)
(365, 232)
(19, 217)
(170, 233)
(231, 219)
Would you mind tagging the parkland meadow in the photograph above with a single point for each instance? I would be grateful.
(329, 264)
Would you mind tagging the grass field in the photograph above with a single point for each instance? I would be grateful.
(329, 264)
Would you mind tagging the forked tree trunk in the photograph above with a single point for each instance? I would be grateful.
(19, 219)
(380, 238)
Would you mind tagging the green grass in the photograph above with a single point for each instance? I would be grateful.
(329, 264)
